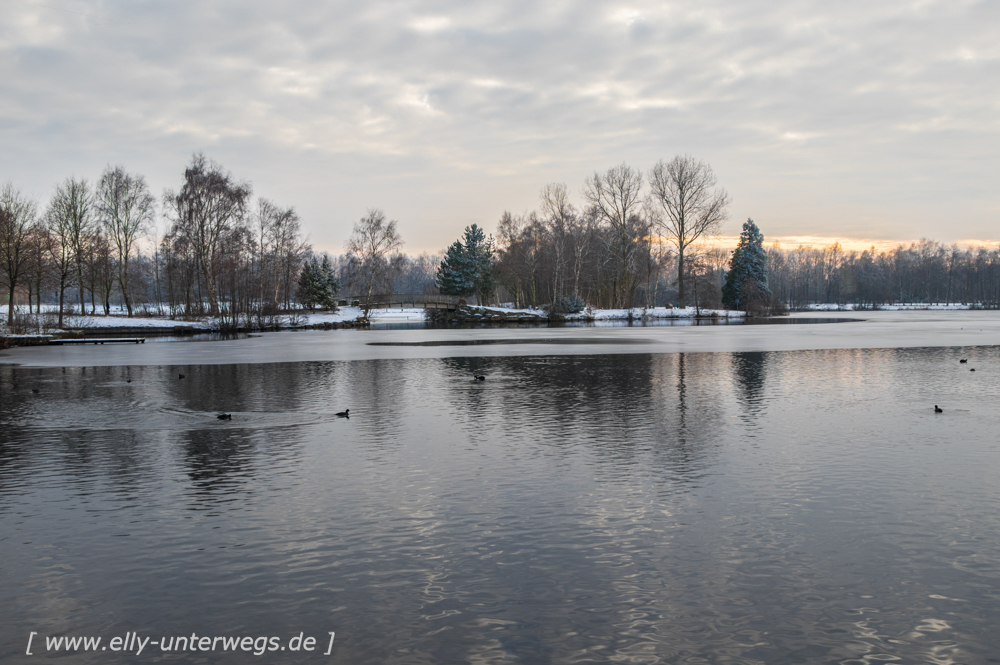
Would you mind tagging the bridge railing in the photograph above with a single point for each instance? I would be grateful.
(390, 300)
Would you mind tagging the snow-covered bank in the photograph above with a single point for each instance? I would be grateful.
(651, 313)
(902, 307)
(877, 330)
(118, 320)
(474, 313)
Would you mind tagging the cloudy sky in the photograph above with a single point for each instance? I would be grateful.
(857, 119)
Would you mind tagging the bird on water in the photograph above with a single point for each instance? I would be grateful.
(964, 360)
(343, 414)
(938, 409)
(225, 416)
(180, 376)
(478, 377)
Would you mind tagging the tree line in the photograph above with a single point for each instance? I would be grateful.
(649, 240)
(921, 272)
(639, 239)
(632, 243)
(95, 244)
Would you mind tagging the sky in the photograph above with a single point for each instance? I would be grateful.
(871, 122)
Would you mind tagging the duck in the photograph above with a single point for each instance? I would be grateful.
(478, 377)
(972, 369)
(343, 414)
(180, 376)
(225, 416)
(964, 360)
(938, 409)
(35, 390)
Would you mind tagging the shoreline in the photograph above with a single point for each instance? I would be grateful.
(83, 327)
(877, 330)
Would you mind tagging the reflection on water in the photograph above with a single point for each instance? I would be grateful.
(779, 507)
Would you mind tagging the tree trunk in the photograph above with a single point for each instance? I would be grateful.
(62, 293)
(123, 283)
(79, 281)
(10, 303)
(680, 275)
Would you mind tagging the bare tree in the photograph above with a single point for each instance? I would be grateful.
(208, 205)
(126, 209)
(615, 196)
(560, 216)
(17, 218)
(70, 220)
(56, 244)
(684, 193)
(370, 253)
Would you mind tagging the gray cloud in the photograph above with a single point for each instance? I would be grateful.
(876, 120)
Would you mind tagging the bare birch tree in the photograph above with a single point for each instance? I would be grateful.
(17, 217)
(70, 219)
(684, 193)
(370, 253)
(615, 196)
(126, 209)
(208, 205)
(559, 216)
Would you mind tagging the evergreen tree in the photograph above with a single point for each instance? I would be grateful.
(318, 284)
(467, 268)
(453, 275)
(746, 282)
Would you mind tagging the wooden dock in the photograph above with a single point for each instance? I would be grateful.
(100, 340)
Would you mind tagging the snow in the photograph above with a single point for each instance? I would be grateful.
(638, 313)
(393, 315)
(902, 307)
(119, 320)
(645, 314)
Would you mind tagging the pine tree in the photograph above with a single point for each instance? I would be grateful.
(746, 282)
(467, 268)
(453, 275)
(318, 284)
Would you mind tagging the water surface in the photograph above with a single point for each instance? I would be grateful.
(744, 507)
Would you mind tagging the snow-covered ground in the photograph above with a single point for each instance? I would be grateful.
(833, 307)
(393, 315)
(118, 319)
(638, 313)
(652, 313)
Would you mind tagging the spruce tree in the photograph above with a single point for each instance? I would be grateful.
(746, 282)
(453, 274)
(467, 268)
(318, 284)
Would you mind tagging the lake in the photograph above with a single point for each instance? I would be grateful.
(616, 495)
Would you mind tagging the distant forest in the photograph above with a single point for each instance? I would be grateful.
(640, 240)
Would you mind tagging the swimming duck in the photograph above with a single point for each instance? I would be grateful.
(938, 409)
(964, 360)
(343, 414)
(225, 416)
(180, 376)
(478, 377)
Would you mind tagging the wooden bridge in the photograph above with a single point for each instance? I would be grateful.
(401, 300)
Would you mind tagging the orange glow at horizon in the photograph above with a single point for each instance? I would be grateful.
(847, 244)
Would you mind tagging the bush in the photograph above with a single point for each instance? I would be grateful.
(568, 305)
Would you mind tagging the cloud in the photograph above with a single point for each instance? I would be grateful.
(821, 118)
